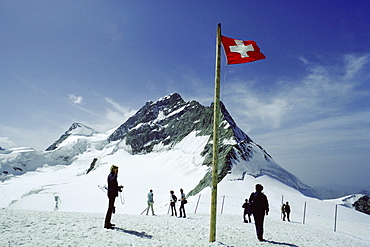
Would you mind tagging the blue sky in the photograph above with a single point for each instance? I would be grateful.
(97, 62)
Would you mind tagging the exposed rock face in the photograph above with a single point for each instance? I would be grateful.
(168, 120)
(363, 204)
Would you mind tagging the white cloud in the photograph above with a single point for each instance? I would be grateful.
(314, 126)
(118, 107)
(322, 92)
(75, 99)
(354, 64)
(117, 114)
(5, 142)
(314, 150)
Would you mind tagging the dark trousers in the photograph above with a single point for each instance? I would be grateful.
(286, 214)
(182, 209)
(108, 216)
(173, 208)
(245, 216)
(258, 221)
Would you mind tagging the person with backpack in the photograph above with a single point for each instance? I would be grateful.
(113, 189)
(247, 211)
(260, 208)
(173, 200)
(182, 205)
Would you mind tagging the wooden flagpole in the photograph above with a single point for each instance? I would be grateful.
(216, 116)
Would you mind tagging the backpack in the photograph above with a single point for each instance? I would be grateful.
(174, 198)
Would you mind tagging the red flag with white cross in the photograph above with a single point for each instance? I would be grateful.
(239, 51)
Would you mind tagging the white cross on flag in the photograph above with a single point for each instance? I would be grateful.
(238, 51)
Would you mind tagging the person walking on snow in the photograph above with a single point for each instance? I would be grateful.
(260, 208)
(283, 212)
(173, 200)
(150, 202)
(287, 211)
(113, 189)
(247, 211)
(182, 205)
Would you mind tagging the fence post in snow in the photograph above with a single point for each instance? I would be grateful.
(335, 217)
(223, 200)
(304, 212)
(196, 207)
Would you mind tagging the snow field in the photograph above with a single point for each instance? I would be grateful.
(82, 204)
(36, 228)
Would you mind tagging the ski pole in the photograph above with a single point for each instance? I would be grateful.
(144, 210)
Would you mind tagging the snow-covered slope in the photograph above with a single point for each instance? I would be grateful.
(78, 191)
(165, 146)
(347, 201)
(68, 189)
(159, 127)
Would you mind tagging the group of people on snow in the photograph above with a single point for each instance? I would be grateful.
(173, 200)
(183, 201)
(257, 204)
(285, 211)
(114, 188)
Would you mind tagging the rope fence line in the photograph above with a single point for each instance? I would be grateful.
(229, 204)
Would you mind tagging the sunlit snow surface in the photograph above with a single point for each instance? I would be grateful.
(34, 228)
(69, 205)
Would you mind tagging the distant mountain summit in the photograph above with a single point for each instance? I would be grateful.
(161, 124)
(158, 127)
(75, 129)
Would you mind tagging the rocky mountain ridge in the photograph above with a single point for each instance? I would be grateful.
(157, 127)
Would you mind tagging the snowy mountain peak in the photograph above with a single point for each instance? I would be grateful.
(159, 126)
(80, 129)
(169, 100)
(168, 136)
(76, 129)
(165, 121)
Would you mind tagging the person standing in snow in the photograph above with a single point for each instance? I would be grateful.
(173, 200)
(113, 189)
(150, 202)
(287, 211)
(182, 205)
(283, 211)
(247, 211)
(260, 208)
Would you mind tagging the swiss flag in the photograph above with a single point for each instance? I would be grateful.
(238, 51)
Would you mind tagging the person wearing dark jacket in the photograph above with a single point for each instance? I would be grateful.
(173, 200)
(183, 201)
(260, 208)
(287, 211)
(247, 211)
(113, 189)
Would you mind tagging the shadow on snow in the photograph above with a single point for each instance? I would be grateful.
(279, 243)
(135, 233)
